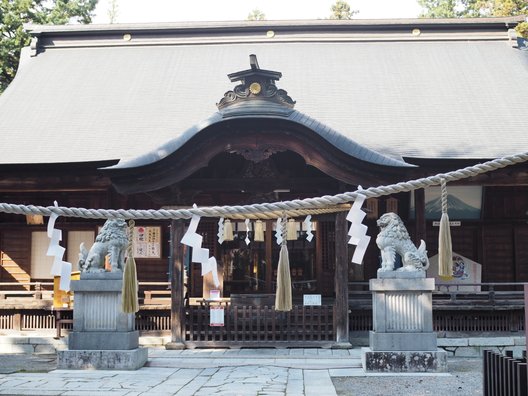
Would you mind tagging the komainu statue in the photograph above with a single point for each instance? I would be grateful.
(393, 239)
(112, 241)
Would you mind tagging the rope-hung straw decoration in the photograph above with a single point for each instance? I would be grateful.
(129, 302)
(445, 249)
(283, 296)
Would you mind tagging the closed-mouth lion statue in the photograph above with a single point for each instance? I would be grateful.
(112, 240)
(393, 239)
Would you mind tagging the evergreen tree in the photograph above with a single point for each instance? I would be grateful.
(341, 10)
(15, 13)
(256, 15)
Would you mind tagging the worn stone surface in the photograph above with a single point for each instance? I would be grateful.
(491, 341)
(103, 340)
(401, 274)
(402, 341)
(452, 342)
(102, 360)
(404, 361)
(469, 351)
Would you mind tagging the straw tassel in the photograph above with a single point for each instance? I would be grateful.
(283, 296)
(129, 302)
(445, 249)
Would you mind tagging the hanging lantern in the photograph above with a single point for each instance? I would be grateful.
(291, 230)
(228, 230)
(259, 231)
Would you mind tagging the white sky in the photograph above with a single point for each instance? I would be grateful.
(132, 11)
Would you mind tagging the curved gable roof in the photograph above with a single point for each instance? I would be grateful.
(333, 137)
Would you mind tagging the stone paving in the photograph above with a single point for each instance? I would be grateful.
(201, 372)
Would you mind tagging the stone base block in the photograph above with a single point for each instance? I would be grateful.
(103, 340)
(404, 361)
(175, 345)
(102, 360)
(402, 341)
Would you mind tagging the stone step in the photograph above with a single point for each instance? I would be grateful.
(302, 359)
(315, 364)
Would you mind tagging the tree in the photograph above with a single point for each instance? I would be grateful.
(439, 8)
(472, 8)
(113, 11)
(15, 13)
(256, 15)
(341, 10)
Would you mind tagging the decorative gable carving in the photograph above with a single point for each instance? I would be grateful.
(256, 85)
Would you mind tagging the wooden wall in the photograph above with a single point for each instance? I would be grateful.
(15, 255)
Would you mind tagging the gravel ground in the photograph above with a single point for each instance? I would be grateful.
(465, 379)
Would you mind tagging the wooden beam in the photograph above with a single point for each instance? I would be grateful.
(177, 287)
(341, 280)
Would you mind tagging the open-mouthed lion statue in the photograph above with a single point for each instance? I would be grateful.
(393, 239)
(112, 240)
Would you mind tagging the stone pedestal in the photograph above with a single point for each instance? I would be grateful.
(103, 336)
(403, 339)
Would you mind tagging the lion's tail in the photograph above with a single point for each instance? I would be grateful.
(423, 254)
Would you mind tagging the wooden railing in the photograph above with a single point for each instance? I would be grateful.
(35, 290)
(497, 307)
(450, 295)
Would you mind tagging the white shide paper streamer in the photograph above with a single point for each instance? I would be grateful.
(308, 227)
(59, 268)
(199, 254)
(358, 231)
(220, 230)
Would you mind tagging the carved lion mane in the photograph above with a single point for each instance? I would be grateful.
(393, 239)
(112, 241)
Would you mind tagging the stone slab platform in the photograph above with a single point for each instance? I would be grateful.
(404, 361)
(102, 360)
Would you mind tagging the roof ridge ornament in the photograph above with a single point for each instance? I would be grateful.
(256, 85)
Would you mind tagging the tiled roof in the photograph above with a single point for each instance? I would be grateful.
(89, 95)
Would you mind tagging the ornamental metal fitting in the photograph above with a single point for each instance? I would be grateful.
(256, 85)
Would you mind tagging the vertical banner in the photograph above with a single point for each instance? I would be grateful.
(217, 316)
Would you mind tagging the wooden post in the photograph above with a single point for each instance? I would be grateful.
(268, 238)
(526, 322)
(341, 280)
(419, 215)
(177, 288)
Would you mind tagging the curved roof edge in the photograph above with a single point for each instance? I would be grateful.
(333, 137)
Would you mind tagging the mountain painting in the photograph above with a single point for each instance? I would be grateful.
(463, 203)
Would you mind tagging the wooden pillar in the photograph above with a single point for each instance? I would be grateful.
(526, 319)
(419, 215)
(341, 280)
(177, 288)
(268, 241)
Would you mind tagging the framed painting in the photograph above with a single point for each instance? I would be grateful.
(463, 203)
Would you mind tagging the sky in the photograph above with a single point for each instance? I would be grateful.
(137, 11)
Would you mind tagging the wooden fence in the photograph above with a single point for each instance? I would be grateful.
(260, 326)
(504, 375)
